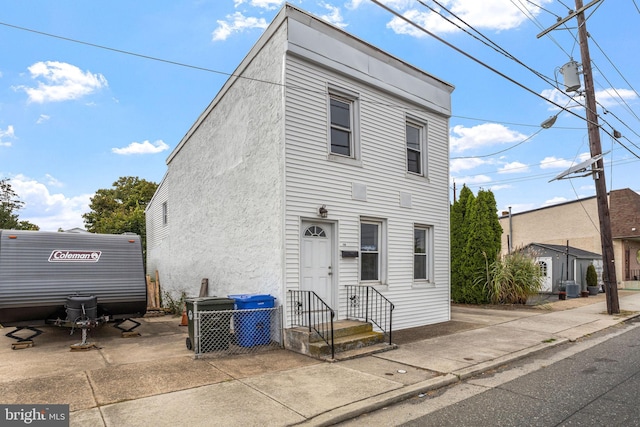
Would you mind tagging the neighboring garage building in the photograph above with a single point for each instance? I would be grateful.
(334, 173)
(577, 223)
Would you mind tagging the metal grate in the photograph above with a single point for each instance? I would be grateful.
(220, 333)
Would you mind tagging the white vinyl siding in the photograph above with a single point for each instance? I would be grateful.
(312, 181)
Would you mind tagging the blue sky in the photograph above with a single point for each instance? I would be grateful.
(75, 117)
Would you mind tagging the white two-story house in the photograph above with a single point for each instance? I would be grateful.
(322, 163)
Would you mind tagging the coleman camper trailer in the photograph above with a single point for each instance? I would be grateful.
(69, 279)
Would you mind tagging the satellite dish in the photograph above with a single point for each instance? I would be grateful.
(581, 169)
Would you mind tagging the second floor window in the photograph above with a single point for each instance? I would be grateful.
(341, 111)
(415, 148)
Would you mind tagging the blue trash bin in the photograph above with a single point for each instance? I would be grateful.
(252, 328)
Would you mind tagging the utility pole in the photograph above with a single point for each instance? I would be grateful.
(609, 272)
(606, 240)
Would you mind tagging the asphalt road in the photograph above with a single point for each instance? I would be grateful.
(595, 382)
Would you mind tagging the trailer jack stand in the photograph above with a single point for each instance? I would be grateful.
(23, 342)
(127, 333)
(84, 345)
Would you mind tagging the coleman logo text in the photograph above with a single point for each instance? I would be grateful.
(74, 256)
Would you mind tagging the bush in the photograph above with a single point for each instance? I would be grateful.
(174, 305)
(512, 279)
(592, 276)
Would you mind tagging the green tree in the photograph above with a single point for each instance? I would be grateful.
(592, 276)
(10, 204)
(482, 242)
(120, 209)
(459, 233)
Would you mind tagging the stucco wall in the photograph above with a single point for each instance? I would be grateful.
(225, 189)
(575, 221)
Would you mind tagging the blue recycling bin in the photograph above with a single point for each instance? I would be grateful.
(252, 328)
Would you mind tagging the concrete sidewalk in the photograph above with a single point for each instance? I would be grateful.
(154, 380)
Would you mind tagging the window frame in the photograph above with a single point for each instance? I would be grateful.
(352, 99)
(422, 141)
(165, 213)
(381, 251)
(428, 255)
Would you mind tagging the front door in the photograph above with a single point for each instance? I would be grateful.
(316, 260)
(546, 269)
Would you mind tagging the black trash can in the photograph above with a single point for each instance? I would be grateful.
(215, 322)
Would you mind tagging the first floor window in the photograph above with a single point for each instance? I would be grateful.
(370, 245)
(420, 253)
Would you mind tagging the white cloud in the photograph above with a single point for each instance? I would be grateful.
(458, 165)
(567, 100)
(555, 201)
(334, 17)
(265, 4)
(59, 81)
(43, 118)
(514, 167)
(237, 23)
(552, 162)
(611, 97)
(471, 180)
(494, 15)
(521, 207)
(142, 148)
(5, 135)
(495, 188)
(49, 211)
(484, 135)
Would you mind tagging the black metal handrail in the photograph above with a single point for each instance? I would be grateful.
(309, 310)
(368, 304)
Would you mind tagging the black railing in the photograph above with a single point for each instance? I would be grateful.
(309, 310)
(366, 303)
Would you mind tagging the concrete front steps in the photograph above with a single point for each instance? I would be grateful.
(351, 339)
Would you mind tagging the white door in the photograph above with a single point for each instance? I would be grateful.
(316, 260)
(546, 268)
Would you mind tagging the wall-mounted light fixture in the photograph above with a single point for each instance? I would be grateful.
(322, 211)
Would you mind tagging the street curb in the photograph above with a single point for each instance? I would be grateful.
(355, 409)
(471, 371)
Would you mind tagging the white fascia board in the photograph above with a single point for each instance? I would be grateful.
(337, 50)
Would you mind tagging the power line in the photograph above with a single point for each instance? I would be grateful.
(476, 60)
(490, 43)
(501, 151)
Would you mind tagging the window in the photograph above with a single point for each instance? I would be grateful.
(373, 251)
(341, 126)
(369, 251)
(165, 219)
(421, 253)
(416, 152)
(314, 231)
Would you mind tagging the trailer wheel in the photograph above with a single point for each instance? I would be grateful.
(189, 345)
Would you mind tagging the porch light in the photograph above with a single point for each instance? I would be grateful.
(322, 211)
